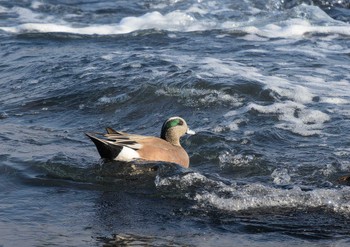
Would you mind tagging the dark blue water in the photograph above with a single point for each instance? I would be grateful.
(265, 84)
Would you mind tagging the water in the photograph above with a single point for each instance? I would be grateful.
(265, 84)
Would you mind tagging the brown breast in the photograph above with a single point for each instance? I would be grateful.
(156, 149)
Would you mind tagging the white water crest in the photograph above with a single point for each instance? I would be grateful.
(210, 193)
(200, 16)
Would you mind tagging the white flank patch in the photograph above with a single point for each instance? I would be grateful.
(127, 154)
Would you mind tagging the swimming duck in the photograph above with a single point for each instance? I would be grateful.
(122, 146)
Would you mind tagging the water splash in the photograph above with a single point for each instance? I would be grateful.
(219, 195)
(300, 20)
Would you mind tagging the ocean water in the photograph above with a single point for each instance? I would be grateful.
(265, 84)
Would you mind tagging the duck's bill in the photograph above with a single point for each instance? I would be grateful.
(190, 132)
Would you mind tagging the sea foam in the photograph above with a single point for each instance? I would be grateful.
(173, 21)
(302, 20)
(214, 194)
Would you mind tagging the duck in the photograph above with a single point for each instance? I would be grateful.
(121, 146)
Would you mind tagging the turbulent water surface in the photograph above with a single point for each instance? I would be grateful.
(265, 84)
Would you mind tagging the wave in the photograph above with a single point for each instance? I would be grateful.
(294, 23)
(231, 197)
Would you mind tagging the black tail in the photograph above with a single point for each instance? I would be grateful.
(105, 149)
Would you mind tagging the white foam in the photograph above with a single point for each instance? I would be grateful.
(337, 94)
(36, 4)
(198, 97)
(228, 159)
(173, 21)
(255, 196)
(213, 67)
(223, 68)
(294, 117)
(228, 125)
(26, 15)
(113, 99)
(111, 56)
(199, 16)
(335, 101)
(303, 19)
(215, 194)
(295, 111)
(281, 176)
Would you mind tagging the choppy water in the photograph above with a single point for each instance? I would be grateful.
(265, 84)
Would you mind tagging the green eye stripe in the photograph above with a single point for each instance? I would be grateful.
(173, 123)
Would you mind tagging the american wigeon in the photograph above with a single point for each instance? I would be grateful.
(122, 146)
